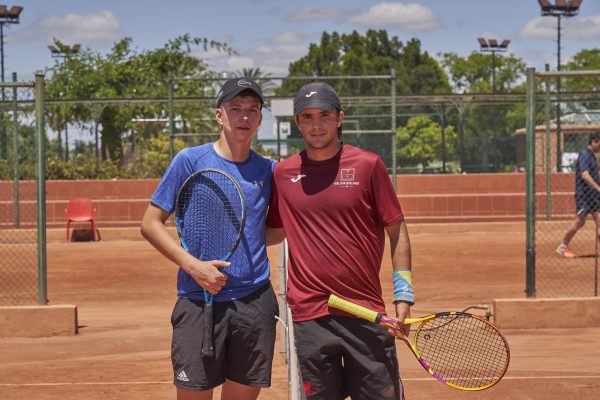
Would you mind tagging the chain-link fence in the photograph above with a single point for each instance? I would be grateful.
(135, 137)
(22, 236)
(562, 240)
(442, 133)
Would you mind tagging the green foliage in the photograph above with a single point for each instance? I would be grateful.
(125, 73)
(373, 53)
(420, 141)
(476, 73)
(80, 167)
(487, 127)
(587, 59)
(267, 85)
(154, 158)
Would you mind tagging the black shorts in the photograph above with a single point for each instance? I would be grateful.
(244, 339)
(343, 356)
(587, 205)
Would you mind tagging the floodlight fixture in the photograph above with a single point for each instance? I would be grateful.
(567, 9)
(563, 8)
(7, 17)
(64, 51)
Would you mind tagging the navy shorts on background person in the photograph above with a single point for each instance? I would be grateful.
(367, 349)
(244, 339)
(586, 205)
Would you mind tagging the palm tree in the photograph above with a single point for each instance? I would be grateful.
(263, 79)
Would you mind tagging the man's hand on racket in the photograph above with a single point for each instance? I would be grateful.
(208, 275)
(402, 313)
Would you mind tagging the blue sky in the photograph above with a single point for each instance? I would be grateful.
(270, 34)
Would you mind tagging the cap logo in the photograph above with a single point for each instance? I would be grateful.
(244, 83)
(310, 94)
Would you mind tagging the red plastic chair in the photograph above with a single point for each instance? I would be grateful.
(80, 209)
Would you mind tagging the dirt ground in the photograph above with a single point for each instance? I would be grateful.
(125, 290)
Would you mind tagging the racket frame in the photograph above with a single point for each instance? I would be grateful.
(208, 342)
(389, 322)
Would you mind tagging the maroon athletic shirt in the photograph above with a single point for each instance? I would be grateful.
(333, 213)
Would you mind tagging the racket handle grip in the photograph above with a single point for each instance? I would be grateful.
(208, 348)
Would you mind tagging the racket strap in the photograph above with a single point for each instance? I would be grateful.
(403, 289)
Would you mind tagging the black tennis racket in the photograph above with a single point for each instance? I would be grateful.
(210, 215)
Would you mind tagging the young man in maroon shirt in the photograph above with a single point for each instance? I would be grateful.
(334, 203)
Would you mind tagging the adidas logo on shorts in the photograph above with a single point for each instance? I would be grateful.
(182, 377)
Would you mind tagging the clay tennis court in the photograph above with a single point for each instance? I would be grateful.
(124, 291)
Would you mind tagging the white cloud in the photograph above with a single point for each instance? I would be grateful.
(317, 14)
(272, 57)
(539, 28)
(102, 28)
(587, 28)
(399, 16)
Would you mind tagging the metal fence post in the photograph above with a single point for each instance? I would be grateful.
(16, 156)
(530, 182)
(171, 118)
(41, 187)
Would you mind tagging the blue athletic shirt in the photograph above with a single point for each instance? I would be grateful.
(586, 162)
(249, 268)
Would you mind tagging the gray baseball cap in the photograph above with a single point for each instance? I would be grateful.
(316, 95)
(235, 86)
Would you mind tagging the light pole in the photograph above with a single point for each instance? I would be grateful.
(64, 51)
(6, 17)
(560, 8)
(492, 46)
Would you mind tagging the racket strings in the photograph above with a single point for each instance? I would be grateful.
(210, 216)
(463, 350)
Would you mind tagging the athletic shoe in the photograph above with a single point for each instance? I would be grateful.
(563, 251)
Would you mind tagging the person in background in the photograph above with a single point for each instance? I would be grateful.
(587, 194)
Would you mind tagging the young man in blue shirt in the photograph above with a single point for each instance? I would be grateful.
(245, 305)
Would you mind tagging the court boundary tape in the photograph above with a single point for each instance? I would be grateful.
(506, 378)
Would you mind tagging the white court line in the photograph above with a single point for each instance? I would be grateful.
(506, 378)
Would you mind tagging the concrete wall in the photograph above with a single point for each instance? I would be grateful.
(424, 198)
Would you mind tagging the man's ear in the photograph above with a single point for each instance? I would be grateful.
(219, 116)
(340, 119)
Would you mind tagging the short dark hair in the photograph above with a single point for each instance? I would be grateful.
(594, 137)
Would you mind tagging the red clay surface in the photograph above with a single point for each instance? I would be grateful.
(124, 291)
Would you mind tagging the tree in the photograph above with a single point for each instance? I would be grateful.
(374, 53)
(419, 142)
(586, 59)
(124, 74)
(259, 76)
(473, 74)
(486, 127)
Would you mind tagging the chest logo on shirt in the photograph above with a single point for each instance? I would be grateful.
(297, 178)
(259, 183)
(347, 178)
